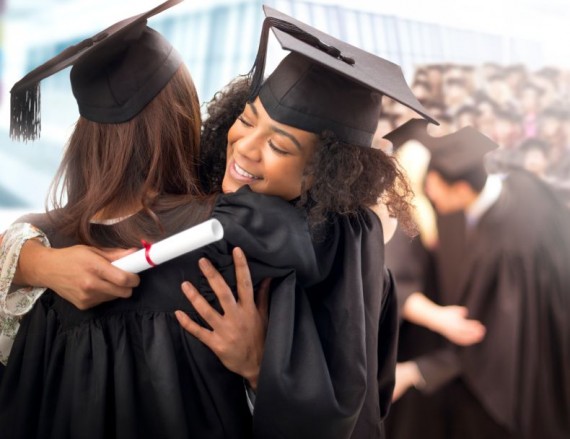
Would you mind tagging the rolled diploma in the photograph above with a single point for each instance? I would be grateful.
(169, 248)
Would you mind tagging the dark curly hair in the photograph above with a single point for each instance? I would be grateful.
(345, 178)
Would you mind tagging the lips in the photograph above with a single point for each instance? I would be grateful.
(241, 174)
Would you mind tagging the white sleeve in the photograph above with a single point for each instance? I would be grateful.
(15, 303)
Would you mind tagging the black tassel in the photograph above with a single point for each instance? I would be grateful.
(256, 72)
(25, 119)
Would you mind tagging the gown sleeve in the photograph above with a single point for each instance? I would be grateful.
(14, 303)
(273, 234)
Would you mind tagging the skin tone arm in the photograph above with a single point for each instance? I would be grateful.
(238, 335)
(80, 274)
(449, 321)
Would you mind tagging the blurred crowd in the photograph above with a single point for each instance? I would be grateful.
(527, 113)
(483, 287)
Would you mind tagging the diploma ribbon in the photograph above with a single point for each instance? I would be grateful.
(147, 246)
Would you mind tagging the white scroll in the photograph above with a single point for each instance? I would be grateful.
(169, 248)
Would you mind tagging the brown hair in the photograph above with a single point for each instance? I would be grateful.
(107, 167)
(345, 178)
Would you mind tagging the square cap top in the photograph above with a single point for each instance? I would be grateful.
(453, 155)
(327, 82)
(115, 75)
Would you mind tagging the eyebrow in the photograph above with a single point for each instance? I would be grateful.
(276, 129)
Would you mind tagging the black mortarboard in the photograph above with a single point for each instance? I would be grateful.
(325, 83)
(454, 155)
(414, 129)
(115, 74)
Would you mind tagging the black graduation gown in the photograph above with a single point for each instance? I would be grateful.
(328, 367)
(127, 369)
(516, 283)
(415, 414)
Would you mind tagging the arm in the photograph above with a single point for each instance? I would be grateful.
(17, 302)
(449, 321)
(14, 303)
(80, 274)
(427, 373)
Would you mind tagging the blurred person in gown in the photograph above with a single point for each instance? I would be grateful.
(425, 324)
(513, 277)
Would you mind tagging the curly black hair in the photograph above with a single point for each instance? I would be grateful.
(221, 113)
(345, 178)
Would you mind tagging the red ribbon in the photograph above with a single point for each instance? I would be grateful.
(147, 246)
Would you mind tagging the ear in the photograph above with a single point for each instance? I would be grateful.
(464, 190)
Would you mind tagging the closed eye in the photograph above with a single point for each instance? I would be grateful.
(276, 149)
(244, 121)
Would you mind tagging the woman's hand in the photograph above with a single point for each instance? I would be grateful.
(450, 321)
(454, 325)
(80, 274)
(238, 335)
(407, 375)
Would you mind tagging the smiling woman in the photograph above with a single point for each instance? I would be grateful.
(268, 156)
(303, 134)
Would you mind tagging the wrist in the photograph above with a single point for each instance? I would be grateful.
(252, 378)
(435, 320)
(418, 381)
(34, 258)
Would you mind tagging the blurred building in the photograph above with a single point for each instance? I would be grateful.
(218, 40)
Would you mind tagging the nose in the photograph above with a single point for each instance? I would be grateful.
(249, 146)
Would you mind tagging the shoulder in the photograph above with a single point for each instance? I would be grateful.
(246, 205)
(40, 220)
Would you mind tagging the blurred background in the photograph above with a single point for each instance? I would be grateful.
(457, 54)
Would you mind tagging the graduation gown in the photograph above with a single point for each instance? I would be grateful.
(127, 369)
(414, 414)
(328, 367)
(515, 281)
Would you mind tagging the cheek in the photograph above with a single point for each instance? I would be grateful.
(233, 133)
(284, 178)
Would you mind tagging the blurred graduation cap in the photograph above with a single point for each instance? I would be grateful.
(414, 129)
(325, 83)
(455, 155)
(115, 74)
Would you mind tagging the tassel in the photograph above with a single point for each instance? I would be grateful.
(25, 120)
(256, 72)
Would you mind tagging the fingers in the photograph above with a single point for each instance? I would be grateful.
(201, 305)
(462, 311)
(85, 300)
(102, 289)
(119, 282)
(218, 284)
(201, 333)
(243, 278)
(112, 280)
(471, 332)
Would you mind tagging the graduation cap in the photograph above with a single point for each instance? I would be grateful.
(115, 74)
(459, 154)
(414, 129)
(455, 155)
(325, 83)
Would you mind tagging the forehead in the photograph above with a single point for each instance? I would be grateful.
(257, 107)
